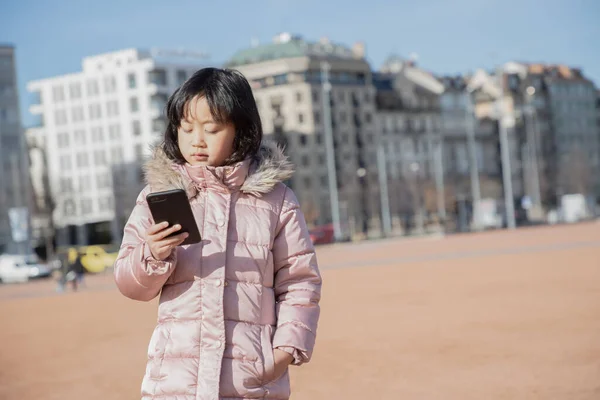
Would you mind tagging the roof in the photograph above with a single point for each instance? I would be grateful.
(290, 48)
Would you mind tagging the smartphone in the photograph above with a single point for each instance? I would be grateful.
(174, 207)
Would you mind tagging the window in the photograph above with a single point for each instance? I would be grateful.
(85, 183)
(139, 152)
(324, 181)
(100, 157)
(112, 108)
(60, 117)
(77, 114)
(69, 208)
(104, 203)
(102, 181)
(158, 102)
(66, 185)
(315, 96)
(82, 160)
(317, 117)
(307, 182)
(75, 90)
(65, 162)
(158, 77)
(299, 97)
(319, 138)
(58, 94)
(133, 104)
(110, 84)
(305, 161)
(117, 155)
(86, 206)
(131, 81)
(95, 111)
(62, 140)
(321, 159)
(181, 77)
(137, 129)
(159, 125)
(368, 117)
(80, 138)
(92, 87)
(303, 140)
(114, 132)
(342, 97)
(97, 135)
(300, 118)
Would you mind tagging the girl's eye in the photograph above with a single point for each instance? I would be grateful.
(211, 132)
(187, 130)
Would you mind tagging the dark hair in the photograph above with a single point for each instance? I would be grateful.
(230, 99)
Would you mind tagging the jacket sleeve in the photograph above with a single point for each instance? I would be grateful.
(138, 274)
(297, 283)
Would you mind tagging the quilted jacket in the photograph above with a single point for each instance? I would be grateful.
(251, 285)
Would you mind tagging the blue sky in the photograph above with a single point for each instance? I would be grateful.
(449, 36)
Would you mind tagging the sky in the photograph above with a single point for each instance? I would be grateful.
(448, 36)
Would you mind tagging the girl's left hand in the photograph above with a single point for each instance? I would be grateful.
(282, 361)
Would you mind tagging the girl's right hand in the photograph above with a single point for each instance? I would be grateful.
(160, 245)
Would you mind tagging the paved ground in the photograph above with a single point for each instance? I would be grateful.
(503, 315)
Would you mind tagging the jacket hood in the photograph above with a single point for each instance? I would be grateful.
(257, 176)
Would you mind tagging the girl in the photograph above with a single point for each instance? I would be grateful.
(242, 305)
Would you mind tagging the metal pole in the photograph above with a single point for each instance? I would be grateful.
(17, 198)
(439, 179)
(333, 191)
(530, 125)
(505, 153)
(383, 192)
(474, 168)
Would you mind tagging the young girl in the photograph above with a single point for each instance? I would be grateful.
(242, 305)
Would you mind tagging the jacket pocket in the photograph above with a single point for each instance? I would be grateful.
(267, 352)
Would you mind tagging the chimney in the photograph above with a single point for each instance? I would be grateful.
(359, 50)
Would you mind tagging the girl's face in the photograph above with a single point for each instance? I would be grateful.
(202, 141)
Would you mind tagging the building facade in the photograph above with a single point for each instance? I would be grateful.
(288, 80)
(95, 127)
(410, 126)
(557, 107)
(13, 159)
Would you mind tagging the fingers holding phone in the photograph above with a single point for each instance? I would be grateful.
(160, 241)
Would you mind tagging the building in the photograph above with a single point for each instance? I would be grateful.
(95, 127)
(13, 160)
(557, 106)
(288, 81)
(410, 126)
(458, 117)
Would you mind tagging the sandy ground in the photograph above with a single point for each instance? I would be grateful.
(502, 315)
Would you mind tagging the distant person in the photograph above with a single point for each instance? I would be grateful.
(76, 272)
(243, 304)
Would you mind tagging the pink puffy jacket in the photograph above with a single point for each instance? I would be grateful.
(250, 286)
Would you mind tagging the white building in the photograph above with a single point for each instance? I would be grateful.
(96, 126)
(287, 82)
(13, 160)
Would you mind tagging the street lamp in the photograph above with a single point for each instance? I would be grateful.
(474, 168)
(532, 148)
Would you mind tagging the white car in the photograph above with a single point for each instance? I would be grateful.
(20, 268)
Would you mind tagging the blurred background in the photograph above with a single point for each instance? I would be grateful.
(417, 120)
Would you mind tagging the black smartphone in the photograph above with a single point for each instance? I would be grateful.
(174, 207)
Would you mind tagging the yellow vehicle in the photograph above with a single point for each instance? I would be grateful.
(94, 258)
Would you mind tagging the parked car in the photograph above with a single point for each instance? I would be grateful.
(322, 234)
(21, 268)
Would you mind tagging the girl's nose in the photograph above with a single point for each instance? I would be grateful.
(198, 140)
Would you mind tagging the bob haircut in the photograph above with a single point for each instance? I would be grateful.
(230, 99)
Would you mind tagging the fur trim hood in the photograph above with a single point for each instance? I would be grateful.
(256, 176)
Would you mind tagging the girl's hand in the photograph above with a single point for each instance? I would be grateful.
(282, 360)
(161, 247)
